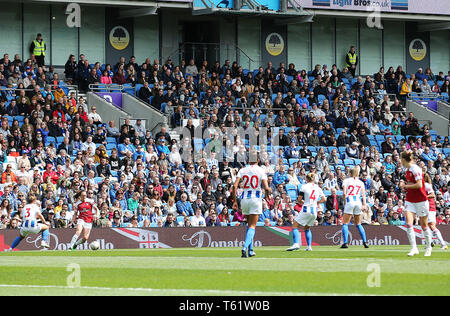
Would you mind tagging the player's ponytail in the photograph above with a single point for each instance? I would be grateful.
(407, 155)
(31, 198)
(310, 177)
(355, 171)
(427, 178)
(77, 196)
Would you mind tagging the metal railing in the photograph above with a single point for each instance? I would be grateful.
(133, 120)
(12, 91)
(442, 107)
(252, 110)
(380, 96)
(211, 51)
(425, 96)
(112, 88)
(239, 51)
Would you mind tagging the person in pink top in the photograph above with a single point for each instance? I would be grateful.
(105, 78)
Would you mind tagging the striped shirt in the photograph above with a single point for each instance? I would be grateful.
(252, 177)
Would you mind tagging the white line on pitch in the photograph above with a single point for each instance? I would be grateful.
(179, 291)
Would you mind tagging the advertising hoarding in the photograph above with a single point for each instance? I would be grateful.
(215, 237)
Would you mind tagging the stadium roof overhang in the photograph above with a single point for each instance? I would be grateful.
(383, 15)
(288, 9)
(250, 12)
(117, 3)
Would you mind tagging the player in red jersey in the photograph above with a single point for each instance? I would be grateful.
(432, 214)
(416, 202)
(85, 209)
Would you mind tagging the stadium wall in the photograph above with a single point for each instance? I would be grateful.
(439, 123)
(325, 41)
(132, 238)
(106, 110)
(140, 110)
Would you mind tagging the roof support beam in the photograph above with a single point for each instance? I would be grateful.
(130, 13)
(294, 20)
(429, 27)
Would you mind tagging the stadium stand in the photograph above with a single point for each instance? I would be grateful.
(53, 144)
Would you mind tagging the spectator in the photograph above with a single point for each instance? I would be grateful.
(352, 60)
(37, 49)
(334, 202)
(192, 68)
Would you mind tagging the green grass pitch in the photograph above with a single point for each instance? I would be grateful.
(221, 271)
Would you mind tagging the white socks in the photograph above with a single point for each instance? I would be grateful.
(74, 240)
(411, 236)
(438, 235)
(80, 241)
(428, 237)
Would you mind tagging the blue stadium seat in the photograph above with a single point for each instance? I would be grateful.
(331, 148)
(51, 139)
(349, 162)
(198, 144)
(320, 98)
(111, 146)
(128, 88)
(138, 87)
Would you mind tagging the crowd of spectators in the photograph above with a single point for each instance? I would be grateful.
(55, 145)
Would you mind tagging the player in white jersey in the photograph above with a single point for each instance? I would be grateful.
(30, 215)
(312, 196)
(355, 201)
(254, 180)
(432, 213)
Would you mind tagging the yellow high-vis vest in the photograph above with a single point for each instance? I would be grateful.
(352, 59)
(39, 48)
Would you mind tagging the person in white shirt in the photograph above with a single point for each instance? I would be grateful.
(174, 156)
(212, 161)
(388, 115)
(355, 203)
(25, 176)
(198, 220)
(399, 208)
(317, 112)
(446, 195)
(88, 145)
(255, 183)
(140, 128)
(312, 196)
(95, 116)
(330, 182)
(30, 215)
